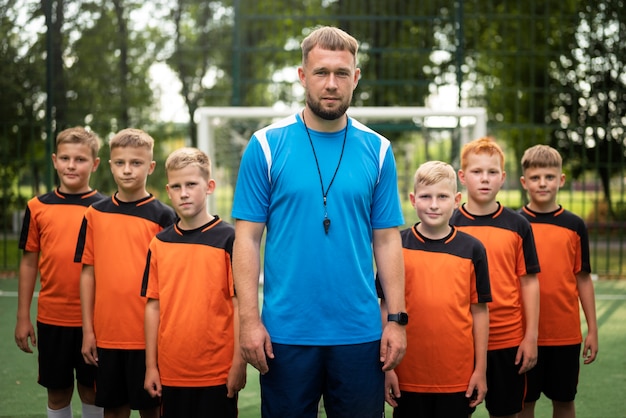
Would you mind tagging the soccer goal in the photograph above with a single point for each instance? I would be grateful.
(471, 122)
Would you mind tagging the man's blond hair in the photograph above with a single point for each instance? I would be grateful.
(330, 38)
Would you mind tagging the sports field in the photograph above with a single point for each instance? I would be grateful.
(602, 388)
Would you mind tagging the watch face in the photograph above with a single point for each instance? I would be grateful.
(401, 318)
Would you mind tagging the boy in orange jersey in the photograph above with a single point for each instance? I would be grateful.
(112, 246)
(563, 249)
(48, 238)
(513, 268)
(201, 377)
(443, 374)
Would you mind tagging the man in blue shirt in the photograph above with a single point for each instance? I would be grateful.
(324, 188)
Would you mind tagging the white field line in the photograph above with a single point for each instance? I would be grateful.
(12, 294)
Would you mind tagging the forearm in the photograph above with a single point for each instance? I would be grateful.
(390, 265)
(87, 297)
(530, 302)
(26, 284)
(480, 331)
(246, 268)
(151, 330)
(237, 356)
(587, 298)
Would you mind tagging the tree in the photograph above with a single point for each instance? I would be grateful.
(202, 33)
(108, 65)
(21, 104)
(590, 110)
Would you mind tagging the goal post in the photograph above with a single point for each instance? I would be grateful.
(472, 119)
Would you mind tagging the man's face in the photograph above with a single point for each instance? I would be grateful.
(329, 78)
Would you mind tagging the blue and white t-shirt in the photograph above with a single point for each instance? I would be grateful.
(319, 288)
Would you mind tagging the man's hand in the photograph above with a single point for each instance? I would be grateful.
(392, 345)
(256, 346)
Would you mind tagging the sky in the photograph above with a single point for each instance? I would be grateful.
(172, 105)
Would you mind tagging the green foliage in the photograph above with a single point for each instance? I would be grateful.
(108, 82)
(592, 107)
(548, 72)
(21, 105)
(201, 43)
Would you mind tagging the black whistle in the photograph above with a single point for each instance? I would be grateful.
(326, 224)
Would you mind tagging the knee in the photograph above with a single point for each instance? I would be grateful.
(59, 398)
(563, 406)
(87, 395)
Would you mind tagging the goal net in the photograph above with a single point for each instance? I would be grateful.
(422, 133)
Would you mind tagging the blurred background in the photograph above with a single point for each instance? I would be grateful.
(546, 71)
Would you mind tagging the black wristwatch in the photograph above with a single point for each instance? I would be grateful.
(401, 318)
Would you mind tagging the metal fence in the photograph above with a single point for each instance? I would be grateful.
(547, 72)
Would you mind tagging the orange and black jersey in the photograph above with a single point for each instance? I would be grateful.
(510, 245)
(563, 248)
(51, 225)
(443, 279)
(189, 272)
(114, 239)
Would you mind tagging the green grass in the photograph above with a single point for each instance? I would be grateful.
(600, 392)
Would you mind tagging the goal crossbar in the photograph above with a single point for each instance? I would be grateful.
(205, 116)
(208, 118)
(369, 112)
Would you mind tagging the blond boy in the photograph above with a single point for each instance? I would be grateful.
(443, 374)
(112, 246)
(193, 360)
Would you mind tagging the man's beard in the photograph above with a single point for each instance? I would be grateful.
(326, 114)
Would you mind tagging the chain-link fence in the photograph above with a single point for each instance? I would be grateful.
(546, 71)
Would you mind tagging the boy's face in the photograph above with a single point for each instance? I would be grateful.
(434, 205)
(542, 185)
(74, 164)
(131, 167)
(187, 190)
(482, 177)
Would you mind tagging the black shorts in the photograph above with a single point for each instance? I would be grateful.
(59, 355)
(120, 378)
(432, 405)
(505, 386)
(556, 373)
(209, 401)
(348, 377)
